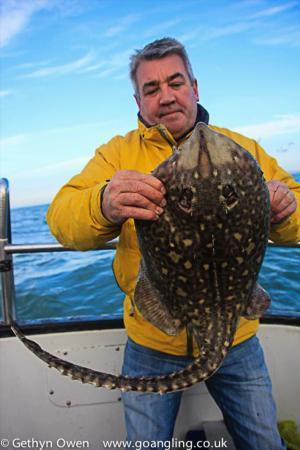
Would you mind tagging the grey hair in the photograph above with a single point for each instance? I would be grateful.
(156, 50)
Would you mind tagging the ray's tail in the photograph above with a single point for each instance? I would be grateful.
(199, 370)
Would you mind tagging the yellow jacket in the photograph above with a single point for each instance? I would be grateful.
(76, 220)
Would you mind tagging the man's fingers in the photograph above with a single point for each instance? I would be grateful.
(140, 213)
(133, 194)
(143, 189)
(143, 177)
(125, 212)
(137, 200)
(282, 200)
(134, 182)
(279, 192)
(282, 214)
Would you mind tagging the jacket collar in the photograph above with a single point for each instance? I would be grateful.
(159, 134)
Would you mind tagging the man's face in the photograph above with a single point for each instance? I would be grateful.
(166, 94)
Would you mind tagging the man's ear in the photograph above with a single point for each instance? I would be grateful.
(137, 100)
(195, 89)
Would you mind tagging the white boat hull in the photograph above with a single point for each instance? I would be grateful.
(38, 403)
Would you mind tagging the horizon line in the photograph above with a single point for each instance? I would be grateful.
(297, 172)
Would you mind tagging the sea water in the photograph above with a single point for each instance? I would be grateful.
(82, 285)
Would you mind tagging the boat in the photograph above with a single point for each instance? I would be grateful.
(42, 409)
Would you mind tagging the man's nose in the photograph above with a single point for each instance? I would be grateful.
(166, 95)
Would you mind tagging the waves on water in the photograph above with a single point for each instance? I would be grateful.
(72, 284)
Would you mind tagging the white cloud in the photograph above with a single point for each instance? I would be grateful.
(288, 35)
(122, 25)
(63, 69)
(228, 30)
(162, 27)
(5, 93)
(18, 139)
(32, 65)
(82, 65)
(189, 36)
(115, 62)
(280, 138)
(243, 3)
(92, 67)
(22, 138)
(51, 169)
(121, 76)
(15, 16)
(273, 10)
(263, 20)
(285, 124)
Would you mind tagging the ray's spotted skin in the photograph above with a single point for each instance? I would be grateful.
(200, 259)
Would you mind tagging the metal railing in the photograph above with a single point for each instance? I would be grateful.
(6, 262)
(7, 249)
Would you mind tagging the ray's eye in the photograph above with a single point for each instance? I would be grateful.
(231, 198)
(185, 199)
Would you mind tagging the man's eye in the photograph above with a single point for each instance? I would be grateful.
(151, 91)
(176, 85)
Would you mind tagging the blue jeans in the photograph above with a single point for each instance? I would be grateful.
(241, 388)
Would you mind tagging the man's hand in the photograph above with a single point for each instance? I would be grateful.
(133, 194)
(282, 200)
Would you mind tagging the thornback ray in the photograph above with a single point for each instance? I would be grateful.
(200, 259)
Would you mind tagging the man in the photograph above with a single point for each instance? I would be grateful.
(115, 188)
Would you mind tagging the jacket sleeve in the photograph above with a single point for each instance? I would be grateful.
(75, 216)
(289, 230)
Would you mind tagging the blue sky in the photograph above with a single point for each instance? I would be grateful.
(64, 86)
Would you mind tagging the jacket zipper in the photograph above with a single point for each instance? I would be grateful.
(166, 137)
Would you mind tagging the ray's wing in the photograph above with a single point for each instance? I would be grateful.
(258, 303)
(148, 300)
